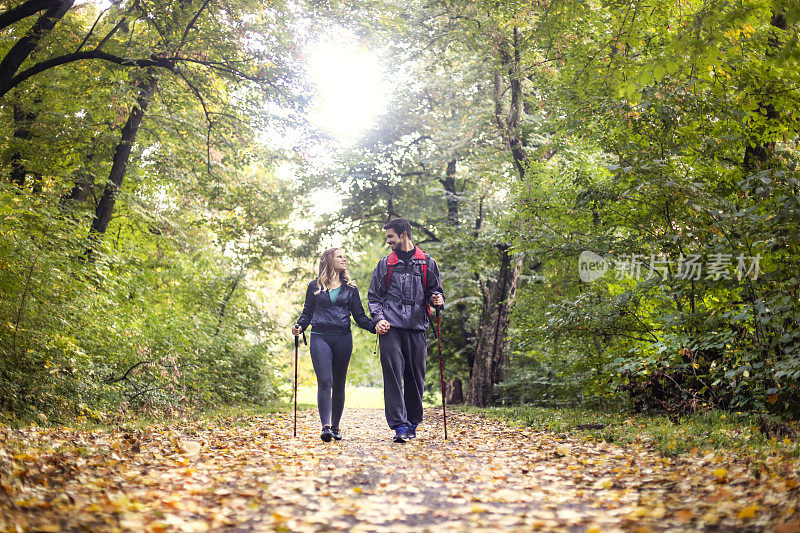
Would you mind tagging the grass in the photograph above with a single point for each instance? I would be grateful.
(356, 398)
(711, 430)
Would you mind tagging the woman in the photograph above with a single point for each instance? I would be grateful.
(330, 300)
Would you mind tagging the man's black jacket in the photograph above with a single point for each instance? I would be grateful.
(402, 303)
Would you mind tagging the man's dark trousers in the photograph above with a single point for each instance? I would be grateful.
(404, 353)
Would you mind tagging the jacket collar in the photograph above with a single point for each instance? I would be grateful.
(393, 259)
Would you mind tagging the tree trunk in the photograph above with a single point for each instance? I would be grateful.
(82, 188)
(490, 355)
(509, 124)
(22, 132)
(449, 184)
(27, 44)
(757, 155)
(453, 392)
(239, 277)
(122, 153)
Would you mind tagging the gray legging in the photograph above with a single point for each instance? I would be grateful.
(330, 355)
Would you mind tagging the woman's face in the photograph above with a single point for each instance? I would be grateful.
(339, 261)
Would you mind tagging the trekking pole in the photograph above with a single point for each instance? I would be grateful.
(441, 370)
(296, 350)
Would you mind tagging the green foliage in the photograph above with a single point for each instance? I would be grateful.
(677, 138)
(710, 430)
(161, 311)
(137, 327)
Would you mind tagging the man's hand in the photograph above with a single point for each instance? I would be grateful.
(382, 326)
(296, 330)
(437, 300)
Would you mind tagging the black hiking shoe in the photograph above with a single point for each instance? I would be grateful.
(326, 434)
(336, 434)
(401, 435)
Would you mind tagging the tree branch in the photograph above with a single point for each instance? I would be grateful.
(161, 62)
(15, 14)
(91, 30)
(432, 236)
(25, 46)
(191, 23)
(109, 380)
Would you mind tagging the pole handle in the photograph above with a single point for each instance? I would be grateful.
(297, 337)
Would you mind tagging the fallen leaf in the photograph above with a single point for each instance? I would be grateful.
(787, 527)
(190, 447)
(748, 512)
(721, 473)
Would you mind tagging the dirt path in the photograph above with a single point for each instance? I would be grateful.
(254, 476)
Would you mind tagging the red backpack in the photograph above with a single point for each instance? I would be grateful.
(418, 254)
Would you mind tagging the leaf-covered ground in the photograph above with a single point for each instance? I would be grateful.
(252, 475)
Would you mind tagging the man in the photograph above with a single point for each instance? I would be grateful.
(403, 285)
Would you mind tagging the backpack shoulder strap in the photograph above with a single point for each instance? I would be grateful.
(422, 256)
(391, 261)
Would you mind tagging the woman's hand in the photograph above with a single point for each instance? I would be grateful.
(296, 331)
(382, 326)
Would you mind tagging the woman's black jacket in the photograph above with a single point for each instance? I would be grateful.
(333, 318)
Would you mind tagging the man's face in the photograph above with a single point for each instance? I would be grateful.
(392, 239)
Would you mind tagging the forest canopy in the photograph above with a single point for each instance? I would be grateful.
(610, 189)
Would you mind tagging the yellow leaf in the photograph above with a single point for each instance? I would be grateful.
(47, 528)
(562, 450)
(122, 501)
(711, 517)
(190, 447)
(658, 512)
(605, 483)
(721, 473)
(748, 512)
(593, 529)
(685, 515)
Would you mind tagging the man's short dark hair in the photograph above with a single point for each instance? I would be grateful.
(399, 225)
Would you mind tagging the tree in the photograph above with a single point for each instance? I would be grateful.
(159, 146)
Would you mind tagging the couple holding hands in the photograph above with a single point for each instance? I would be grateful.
(403, 286)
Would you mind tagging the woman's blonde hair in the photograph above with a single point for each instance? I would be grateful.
(327, 272)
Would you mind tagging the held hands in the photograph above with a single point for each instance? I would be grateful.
(296, 330)
(382, 326)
